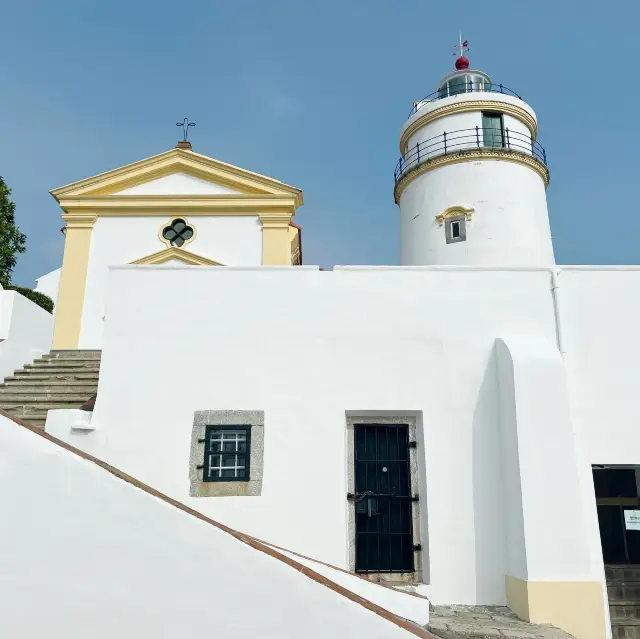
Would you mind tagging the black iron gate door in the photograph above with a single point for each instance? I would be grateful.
(383, 501)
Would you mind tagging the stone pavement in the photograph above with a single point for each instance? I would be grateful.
(486, 622)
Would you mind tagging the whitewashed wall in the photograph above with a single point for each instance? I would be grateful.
(307, 346)
(121, 240)
(26, 331)
(104, 559)
(49, 284)
(178, 183)
(464, 119)
(510, 223)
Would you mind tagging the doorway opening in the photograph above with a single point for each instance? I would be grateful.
(383, 498)
(618, 503)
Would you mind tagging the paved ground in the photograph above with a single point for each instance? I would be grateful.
(486, 622)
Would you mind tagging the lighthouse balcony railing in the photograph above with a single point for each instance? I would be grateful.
(458, 142)
(451, 89)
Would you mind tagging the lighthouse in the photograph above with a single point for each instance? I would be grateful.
(472, 176)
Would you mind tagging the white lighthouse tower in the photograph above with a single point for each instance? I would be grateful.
(471, 180)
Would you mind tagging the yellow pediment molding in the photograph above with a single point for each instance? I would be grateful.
(178, 161)
(175, 253)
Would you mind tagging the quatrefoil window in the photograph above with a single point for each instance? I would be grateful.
(177, 232)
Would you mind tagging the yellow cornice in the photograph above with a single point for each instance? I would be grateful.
(175, 253)
(472, 105)
(192, 205)
(470, 155)
(79, 221)
(174, 161)
(275, 219)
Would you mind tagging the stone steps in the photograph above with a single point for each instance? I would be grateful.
(63, 388)
(41, 398)
(623, 589)
(624, 611)
(61, 367)
(21, 375)
(67, 355)
(61, 379)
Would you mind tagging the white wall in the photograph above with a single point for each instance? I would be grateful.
(510, 223)
(178, 184)
(464, 97)
(26, 331)
(234, 240)
(48, 284)
(305, 346)
(105, 559)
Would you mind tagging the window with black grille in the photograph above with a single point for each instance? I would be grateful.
(226, 453)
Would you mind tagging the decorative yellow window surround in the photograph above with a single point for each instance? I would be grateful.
(452, 211)
(172, 232)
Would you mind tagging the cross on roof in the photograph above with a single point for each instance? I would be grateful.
(185, 124)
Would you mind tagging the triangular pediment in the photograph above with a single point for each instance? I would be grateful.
(178, 172)
(173, 254)
(179, 184)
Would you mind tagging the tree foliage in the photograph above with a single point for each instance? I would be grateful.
(12, 241)
(42, 300)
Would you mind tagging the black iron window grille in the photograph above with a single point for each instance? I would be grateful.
(226, 453)
(177, 232)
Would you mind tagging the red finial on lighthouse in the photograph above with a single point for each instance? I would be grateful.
(462, 62)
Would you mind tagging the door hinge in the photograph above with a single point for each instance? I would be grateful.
(417, 547)
(350, 496)
(413, 444)
(415, 498)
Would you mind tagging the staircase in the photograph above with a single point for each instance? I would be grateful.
(623, 586)
(62, 379)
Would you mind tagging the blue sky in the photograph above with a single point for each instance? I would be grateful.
(314, 93)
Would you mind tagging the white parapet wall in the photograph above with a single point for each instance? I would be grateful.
(311, 348)
(104, 556)
(26, 331)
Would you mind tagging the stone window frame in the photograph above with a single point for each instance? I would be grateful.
(231, 488)
(448, 233)
(412, 420)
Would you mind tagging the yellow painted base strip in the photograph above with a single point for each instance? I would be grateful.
(578, 607)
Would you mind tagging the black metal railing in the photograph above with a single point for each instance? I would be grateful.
(451, 142)
(459, 89)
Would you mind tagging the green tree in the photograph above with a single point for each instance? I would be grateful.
(12, 241)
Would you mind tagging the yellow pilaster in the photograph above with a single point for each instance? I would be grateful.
(276, 239)
(73, 280)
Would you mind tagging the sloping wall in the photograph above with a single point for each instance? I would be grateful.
(86, 554)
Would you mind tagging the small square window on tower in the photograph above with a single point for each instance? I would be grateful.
(455, 229)
(226, 453)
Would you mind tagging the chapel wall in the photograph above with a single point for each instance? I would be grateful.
(306, 347)
(121, 240)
